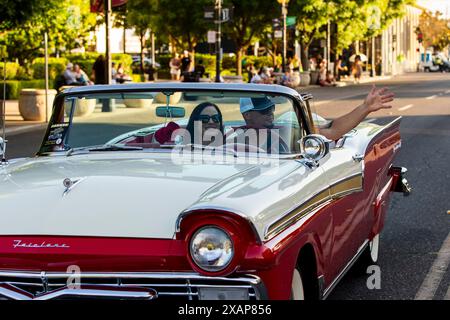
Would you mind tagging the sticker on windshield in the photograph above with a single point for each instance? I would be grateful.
(57, 133)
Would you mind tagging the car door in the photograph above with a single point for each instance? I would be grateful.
(344, 172)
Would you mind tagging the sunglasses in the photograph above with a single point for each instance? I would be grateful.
(204, 118)
(267, 111)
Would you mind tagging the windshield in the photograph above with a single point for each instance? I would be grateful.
(236, 122)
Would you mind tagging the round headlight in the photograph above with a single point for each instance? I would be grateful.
(211, 249)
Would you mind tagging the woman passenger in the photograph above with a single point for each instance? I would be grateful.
(206, 118)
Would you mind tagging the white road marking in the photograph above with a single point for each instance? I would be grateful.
(318, 103)
(436, 273)
(409, 106)
(431, 97)
(447, 295)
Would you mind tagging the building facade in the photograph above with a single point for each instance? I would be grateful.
(400, 49)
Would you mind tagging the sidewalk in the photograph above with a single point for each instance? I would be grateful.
(14, 121)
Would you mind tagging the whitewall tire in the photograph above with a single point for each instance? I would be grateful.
(374, 246)
(298, 292)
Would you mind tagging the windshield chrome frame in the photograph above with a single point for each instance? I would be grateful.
(299, 104)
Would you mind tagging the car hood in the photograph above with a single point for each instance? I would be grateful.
(111, 196)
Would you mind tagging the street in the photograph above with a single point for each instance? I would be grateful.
(417, 227)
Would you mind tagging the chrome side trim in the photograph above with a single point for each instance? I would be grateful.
(345, 270)
(279, 225)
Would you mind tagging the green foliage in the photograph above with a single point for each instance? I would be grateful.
(67, 23)
(137, 77)
(87, 60)
(355, 20)
(250, 20)
(24, 73)
(13, 87)
(260, 61)
(11, 70)
(16, 12)
(56, 66)
(182, 21)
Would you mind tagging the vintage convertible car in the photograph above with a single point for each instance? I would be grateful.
(119, 203)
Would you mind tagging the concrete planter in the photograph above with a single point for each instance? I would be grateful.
(32, 104)
(174, 98)
(83, 107)
(314, 77)
(296, 79)
(305, 78)
(138, 103)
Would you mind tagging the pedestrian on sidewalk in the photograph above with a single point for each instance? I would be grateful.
(99, 70)
(326, 79)
(357, 69)
(175, 65)
(69, 75)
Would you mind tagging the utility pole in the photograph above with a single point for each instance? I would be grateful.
(284, 15)
(328, 57)
(108, 12)
(108, 105)
(218, 39)
(46, 75)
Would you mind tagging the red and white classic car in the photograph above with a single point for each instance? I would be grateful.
(122, 202)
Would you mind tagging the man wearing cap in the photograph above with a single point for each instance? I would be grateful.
(259, 128)
(258, 114)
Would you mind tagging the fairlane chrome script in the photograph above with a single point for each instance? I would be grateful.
(43, 244)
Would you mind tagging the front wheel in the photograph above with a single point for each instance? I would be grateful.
(298, 292)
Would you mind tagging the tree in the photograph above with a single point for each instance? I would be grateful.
(183, 22)
(435, 30)
(312, 15)
(141, 15)
(355, 20)
(250, 19)
(16, 12)
(67, 23)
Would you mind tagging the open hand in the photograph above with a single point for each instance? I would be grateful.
(378, 99)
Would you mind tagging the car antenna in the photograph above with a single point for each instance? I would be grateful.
(3, 146)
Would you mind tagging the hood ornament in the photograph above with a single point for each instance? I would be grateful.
(69, 184)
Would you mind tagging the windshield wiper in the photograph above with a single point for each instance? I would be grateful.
(106, 147)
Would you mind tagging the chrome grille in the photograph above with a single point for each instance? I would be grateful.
(167, 285)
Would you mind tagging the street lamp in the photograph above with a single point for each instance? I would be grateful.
(284, 15)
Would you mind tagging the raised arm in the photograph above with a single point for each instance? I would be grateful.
(376, 99)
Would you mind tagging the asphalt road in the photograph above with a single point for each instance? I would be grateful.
(415, 243)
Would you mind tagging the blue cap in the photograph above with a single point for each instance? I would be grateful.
(257, 104)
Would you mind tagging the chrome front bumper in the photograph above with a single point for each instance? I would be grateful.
(21, 285)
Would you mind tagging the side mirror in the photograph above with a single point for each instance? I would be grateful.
(314, 147)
